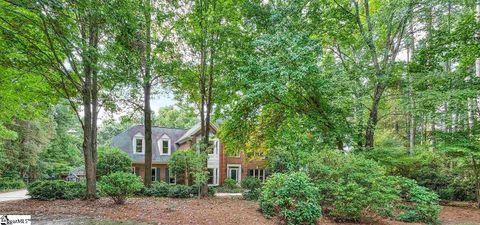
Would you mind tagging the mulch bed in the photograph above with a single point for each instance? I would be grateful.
(185, 211)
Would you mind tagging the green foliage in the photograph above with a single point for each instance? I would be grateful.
(21, 155)
(63, 152)
(187, 163)
(251, 183)
(111, 160)
(230, 183)
(158, 189)
(120, 185)
(112, 127)
(56, 189)
(419, 203)
(431, 169)
(171, 116)
(252, 186)
(180, 191)
(350, 185)
(9, 183)
(162, 189)
(292, 197)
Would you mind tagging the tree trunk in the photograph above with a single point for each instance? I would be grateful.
(147, 87)
(90, 104)
(87, 142)
(187, 176)
(148, 136)
(432, 134)
(476, 173)
(373, 116)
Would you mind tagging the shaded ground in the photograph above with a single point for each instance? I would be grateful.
(460, 215)
(176, 211)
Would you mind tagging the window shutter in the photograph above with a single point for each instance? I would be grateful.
(167, 179)
(157, 174)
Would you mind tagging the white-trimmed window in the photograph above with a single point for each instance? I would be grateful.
(154, 174)
(164, 146)
(138, 144)
(212, 176)
(172, 178)
(258, 173)
(213, 147)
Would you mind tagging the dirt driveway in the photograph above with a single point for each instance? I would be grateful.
(14, 195)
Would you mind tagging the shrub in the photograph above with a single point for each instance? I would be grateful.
(111, 160)
(179, 191)
(158, 189)
(252, 186)
(292, 197)
(56, 189)
(194, 190)
(8, 183)
(419, 204)
(351, 186)
(120, 185)
(230, 183)
(251, 183)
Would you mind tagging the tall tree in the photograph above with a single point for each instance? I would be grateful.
(143, 56)
(65, 38)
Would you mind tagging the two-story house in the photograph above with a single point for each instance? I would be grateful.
(168, 140)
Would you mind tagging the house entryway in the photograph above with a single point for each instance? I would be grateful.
(234, 171)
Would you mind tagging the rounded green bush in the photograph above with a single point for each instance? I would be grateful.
(418, 204)
(158, 189)
(291, 197)
(180, 191)
(56, 189)
(251, 183)
(351, 185)
(111, 160)
(252, 187)
(120, 185)
(230, 183)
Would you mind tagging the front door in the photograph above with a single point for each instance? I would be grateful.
(234, 173)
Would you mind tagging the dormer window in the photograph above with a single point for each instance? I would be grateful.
(138, 144)
(164, 145)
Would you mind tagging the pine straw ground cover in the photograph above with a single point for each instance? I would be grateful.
(178, 211)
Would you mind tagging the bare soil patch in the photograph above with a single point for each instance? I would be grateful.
(459, 215)
(182, 211)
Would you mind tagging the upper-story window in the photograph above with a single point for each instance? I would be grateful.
(164, 145)
(138, 144)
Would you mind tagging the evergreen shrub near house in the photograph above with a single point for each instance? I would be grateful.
(179, 191)
(292, 197)
(230, 183)
(418, 203)
(111, 160)
(158, 189)
(56, 189)
(120, 185)
(252, 187)
(351, 186)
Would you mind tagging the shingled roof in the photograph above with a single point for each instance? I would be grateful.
(124, 141)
